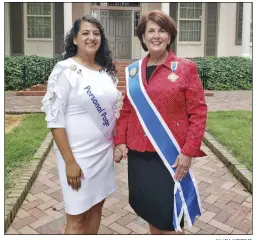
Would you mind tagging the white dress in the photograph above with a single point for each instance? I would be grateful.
(69, 104)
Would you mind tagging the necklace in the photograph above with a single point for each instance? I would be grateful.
(89, 66)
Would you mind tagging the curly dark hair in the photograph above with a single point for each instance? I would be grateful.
(103, 56)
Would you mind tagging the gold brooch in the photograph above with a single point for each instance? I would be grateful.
(133, 72)
(173, 77)
(73, 67)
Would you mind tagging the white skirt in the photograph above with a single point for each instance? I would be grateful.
(98, 182)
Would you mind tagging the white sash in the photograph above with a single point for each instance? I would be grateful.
(101, 112)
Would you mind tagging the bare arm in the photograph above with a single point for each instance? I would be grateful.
(73, 170)
(62, 143)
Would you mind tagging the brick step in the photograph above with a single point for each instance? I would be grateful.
(120, 75)
(120, 70)
(122, 65)
(38, 88)
(30, 93)
(208, 93)
(122, 79)
(123, 62)
(121, 88)
(122, 84)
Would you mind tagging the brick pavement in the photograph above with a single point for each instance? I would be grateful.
(235, 100)
(227, 207)
(22, 103)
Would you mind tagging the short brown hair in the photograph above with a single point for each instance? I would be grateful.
(162, 19)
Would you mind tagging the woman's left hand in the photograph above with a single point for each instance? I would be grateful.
(182, 165)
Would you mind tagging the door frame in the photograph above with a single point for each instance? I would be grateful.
(132, 9)
(116, 24)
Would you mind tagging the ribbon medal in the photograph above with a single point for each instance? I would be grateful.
(173, 77)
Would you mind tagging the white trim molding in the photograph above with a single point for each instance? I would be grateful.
(165, 6)
(7, 35)
(68, 17)
(246, 30)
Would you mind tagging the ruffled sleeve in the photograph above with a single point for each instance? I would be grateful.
(55, 101)
(119, 102)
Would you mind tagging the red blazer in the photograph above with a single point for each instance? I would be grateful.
(181, 104)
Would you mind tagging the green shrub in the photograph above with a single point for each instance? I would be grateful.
(227, 73)
(36, 72)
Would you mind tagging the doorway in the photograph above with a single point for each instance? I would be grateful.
(118, 31)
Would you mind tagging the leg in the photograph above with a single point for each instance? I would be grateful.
(75, 224)
(154, 230)
(93, 219)
(173, 232)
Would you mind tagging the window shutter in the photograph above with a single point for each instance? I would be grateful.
(173, 13)
(211, 29)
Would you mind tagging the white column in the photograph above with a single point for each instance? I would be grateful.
(68, 20)
(246, 29)
(7, 39)
(165, 7)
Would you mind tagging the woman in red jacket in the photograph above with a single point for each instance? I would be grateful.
(161, 126)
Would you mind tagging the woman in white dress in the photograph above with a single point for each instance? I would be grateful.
(81, 108)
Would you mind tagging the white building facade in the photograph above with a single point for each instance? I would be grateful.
(204, 29)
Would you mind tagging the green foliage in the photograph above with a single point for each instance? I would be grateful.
(227, 73)
(36, 71)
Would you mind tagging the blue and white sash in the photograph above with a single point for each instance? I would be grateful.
(186, 196)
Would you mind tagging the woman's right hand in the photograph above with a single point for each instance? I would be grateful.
(120, 152)
(74, 175)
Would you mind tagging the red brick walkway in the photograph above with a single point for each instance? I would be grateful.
(227, 206)
(233, 100)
